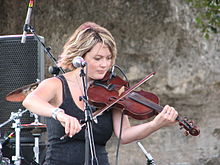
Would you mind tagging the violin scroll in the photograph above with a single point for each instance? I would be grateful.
(189, 126)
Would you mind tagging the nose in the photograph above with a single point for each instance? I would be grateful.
(104, 63)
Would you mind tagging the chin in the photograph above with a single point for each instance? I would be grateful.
(98, 77)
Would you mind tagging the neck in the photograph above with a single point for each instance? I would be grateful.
(79, 78)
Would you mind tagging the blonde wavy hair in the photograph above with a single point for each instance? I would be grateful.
(83, 40)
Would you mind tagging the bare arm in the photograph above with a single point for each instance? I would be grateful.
(45, 98)
(132, 133)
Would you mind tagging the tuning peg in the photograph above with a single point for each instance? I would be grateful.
(186, 133)
(191, 122)
(185, 118)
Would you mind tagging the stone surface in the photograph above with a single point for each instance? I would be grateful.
(151, 36)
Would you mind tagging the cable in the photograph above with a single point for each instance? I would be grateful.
(122, 115)
(123, 73)
(119, 140)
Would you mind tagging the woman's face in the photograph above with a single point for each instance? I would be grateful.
(99, 61)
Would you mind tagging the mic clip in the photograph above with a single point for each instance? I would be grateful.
(27, 27)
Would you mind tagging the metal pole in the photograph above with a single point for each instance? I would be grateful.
(17, 157)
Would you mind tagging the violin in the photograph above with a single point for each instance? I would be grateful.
(114, 92)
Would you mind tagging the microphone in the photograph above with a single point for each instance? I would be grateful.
(7, 139)
(78, 61)
(27, 21)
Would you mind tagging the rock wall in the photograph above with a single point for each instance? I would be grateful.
(151, 36)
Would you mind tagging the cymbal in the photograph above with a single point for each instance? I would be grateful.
(19, 94)
(34, 127)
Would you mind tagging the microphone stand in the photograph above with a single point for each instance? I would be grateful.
(150, 159)
(29, 28)
(89, 139)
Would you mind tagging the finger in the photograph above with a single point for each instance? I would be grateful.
(174, 114)
(79, 127)
(75, 126)
(67, 126)
(169, 115)
(164, 111)
(168, 110)
(72, 127)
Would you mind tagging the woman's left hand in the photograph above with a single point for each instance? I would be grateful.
(167, 117)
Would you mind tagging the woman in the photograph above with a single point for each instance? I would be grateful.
(58, 99)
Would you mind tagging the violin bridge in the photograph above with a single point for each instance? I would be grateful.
(121, 90)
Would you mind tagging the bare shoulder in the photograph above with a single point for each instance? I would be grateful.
(49, 89)
(50, 82)
(49, 85)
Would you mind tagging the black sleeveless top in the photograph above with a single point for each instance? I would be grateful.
(71, 151)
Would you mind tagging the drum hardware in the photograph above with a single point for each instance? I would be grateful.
(150, 159)
(16, 117)
(3, 160)
(36, 129)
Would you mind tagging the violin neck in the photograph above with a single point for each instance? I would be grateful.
(142, 100)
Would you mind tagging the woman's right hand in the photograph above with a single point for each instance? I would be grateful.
(71, 124)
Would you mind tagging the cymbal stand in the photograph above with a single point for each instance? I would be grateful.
(150, 159)
(36, 133)
(36, 146)
(17, 126)
(36, 118)
(13, 117)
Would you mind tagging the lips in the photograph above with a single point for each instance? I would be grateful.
(101, 71)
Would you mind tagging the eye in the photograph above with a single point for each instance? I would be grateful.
(109, 58)
(97, 58)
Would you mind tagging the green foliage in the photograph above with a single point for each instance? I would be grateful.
(208, 18)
